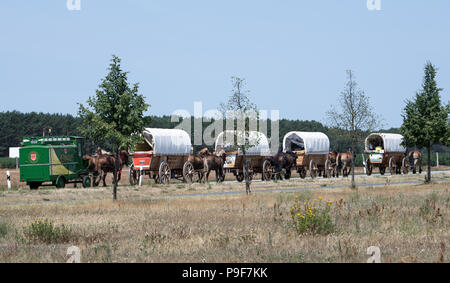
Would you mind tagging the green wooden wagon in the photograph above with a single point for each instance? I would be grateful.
(53, 161)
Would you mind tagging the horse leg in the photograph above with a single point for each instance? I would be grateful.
(104, 178)
(119, 174)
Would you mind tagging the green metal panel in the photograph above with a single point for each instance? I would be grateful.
(34, 164)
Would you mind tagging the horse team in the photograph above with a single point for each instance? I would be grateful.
(299, 145)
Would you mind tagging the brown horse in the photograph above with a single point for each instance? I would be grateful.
(283, 160)
(105, 164)
(333, 157)
(415, 159)
(214, 161)
(344, 163)
(197, 162)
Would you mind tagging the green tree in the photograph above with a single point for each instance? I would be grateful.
(355, 115)
(425, 119)
(116, 112)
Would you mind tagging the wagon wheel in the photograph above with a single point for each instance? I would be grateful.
(240, 177)
(188, 172)
(405, 166)
(35, 185)
(382, 170)
(302, 172)
(86, 181)
(164, 173)
(60, 182)
(369, 168)
(267, 171)
(328, 171)
(392, 166)
(312, 169)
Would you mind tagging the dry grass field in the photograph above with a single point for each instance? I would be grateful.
(218, 223)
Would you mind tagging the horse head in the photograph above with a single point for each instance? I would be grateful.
(204, 152)
(222, 154)
(123, 156)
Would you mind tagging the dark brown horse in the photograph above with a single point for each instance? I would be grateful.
(415, 160)
(105, 164)
(283, 160)
(344, 163)
(214, 161)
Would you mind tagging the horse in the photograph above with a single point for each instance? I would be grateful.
(344, 163)
(214, 161)
(283, 160)
(415, 159)
(333, 157)
(198, 164)
(106, 163)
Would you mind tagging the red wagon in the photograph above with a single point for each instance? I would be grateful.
(162, 155)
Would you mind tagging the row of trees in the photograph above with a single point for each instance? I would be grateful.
(14, 125)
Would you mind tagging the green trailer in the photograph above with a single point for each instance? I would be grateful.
(53, 161)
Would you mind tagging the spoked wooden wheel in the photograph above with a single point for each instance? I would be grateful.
(267, 171)
(188, 172)
(313, 169)
(405, 167)
(164, 173)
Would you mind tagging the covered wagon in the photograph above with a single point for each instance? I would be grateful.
(384, 150)
(256, 154)
(161, 156)
(312, 150)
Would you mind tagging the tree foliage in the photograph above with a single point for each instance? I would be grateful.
(115, 113)
(425, 119)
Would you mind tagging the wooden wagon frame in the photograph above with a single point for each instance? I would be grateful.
(162, 156)
(312, 150)
(384, 150)
(257, 156)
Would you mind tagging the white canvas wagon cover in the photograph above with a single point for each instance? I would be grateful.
(168, 141)
(261, 149)
(391, 142)
(312, 142)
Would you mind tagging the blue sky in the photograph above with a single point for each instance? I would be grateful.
(293, 53)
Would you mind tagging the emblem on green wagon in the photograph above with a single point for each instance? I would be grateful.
(33, 157)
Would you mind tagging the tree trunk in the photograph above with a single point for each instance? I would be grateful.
(115, 176)
(353, 164)
(247, 175)
(429, 163)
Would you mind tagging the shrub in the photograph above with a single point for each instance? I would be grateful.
(7, 163)
(43, 231)
(312, 216)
